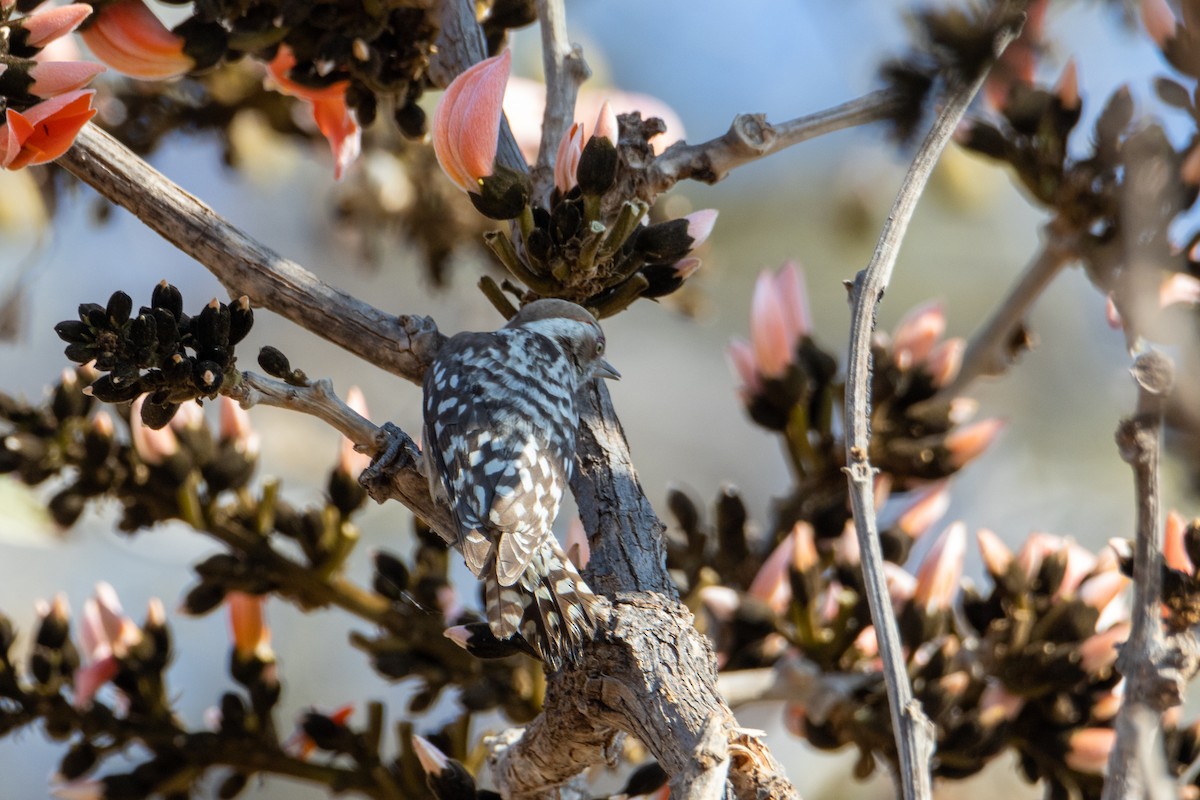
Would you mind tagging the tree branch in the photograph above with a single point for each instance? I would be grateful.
(913, 731)
(1153, 682)
(750, 137)
(565, 71)
(244, 265)
(991, 351)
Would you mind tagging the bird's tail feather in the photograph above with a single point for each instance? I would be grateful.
(550, 606)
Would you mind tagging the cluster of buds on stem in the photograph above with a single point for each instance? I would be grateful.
(591, 243)
(790, 385)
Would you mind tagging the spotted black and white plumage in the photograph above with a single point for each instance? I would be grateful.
(500, 423)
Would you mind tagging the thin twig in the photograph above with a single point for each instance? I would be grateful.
(751, 137)
(317, 399)
(565, 71)
(1151, 683)
(990, 351)
(913, 731)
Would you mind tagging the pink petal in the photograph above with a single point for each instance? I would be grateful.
(793, 298)
(607, 126)
(466, 123)
(769, 329)
(89, 680)
(917, 333)
(1174, 550)
(940, 571)
(52, 78)
(1159, 20)
(49, 22)
(741, 355)
(700, 225)
(566, 162)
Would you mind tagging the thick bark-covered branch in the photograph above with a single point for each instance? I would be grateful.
(565, 70)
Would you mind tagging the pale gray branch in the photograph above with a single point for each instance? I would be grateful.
(751, 137)
(913, 731)
(1153, 682)
(565, 71)
(316, 399)
(990, 351)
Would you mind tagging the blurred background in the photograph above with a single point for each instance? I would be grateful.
(822, 204)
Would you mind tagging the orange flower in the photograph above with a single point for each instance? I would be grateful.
(466, 124)
(334, 119)
(127, 36)
(43, 132)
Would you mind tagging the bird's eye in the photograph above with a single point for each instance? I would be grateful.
(600, 347)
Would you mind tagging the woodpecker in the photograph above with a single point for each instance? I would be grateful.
(501, 413)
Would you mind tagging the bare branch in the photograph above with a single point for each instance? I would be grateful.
(1153, 682)
(913, 731)
(751, 137)
(403, 345)
(990, 351)
(317, 399)
(565, 71)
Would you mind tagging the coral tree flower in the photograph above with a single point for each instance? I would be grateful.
(779, 319)
(106, 635)
(248, 628)
(43, 132)
(570, 149)
(46, 24)
(334, 118)
(466, 124)
(127, 36)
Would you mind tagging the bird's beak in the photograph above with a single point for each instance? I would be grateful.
(603, 369)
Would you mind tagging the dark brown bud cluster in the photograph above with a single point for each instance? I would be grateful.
(163, 352)
(950, 46)
(591, 245)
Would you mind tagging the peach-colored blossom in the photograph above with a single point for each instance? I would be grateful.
(1098, 652)
(334, 119)
(127, 36)
(432, 760)
(901, 584)
(152, 446)
(43, 132)
(1088, 749)
(945, 360)
(80, 789)
(466, 123)
(741, 356)
(235, 427)
(48, 23)
(1102, 588)
(248, 628)
(566, 161)
(793, 299)
(769, 329)
(607, 126)
(996, 555)
(998, 704)
(700, 225)
(772, 584)
(105, 635)
(1159, 20)
(925, 508)
(351, 461)
(1068, 86)
(940, 570)
(1174, 550)
(970, 441)
(687, 267)
(917, 333)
